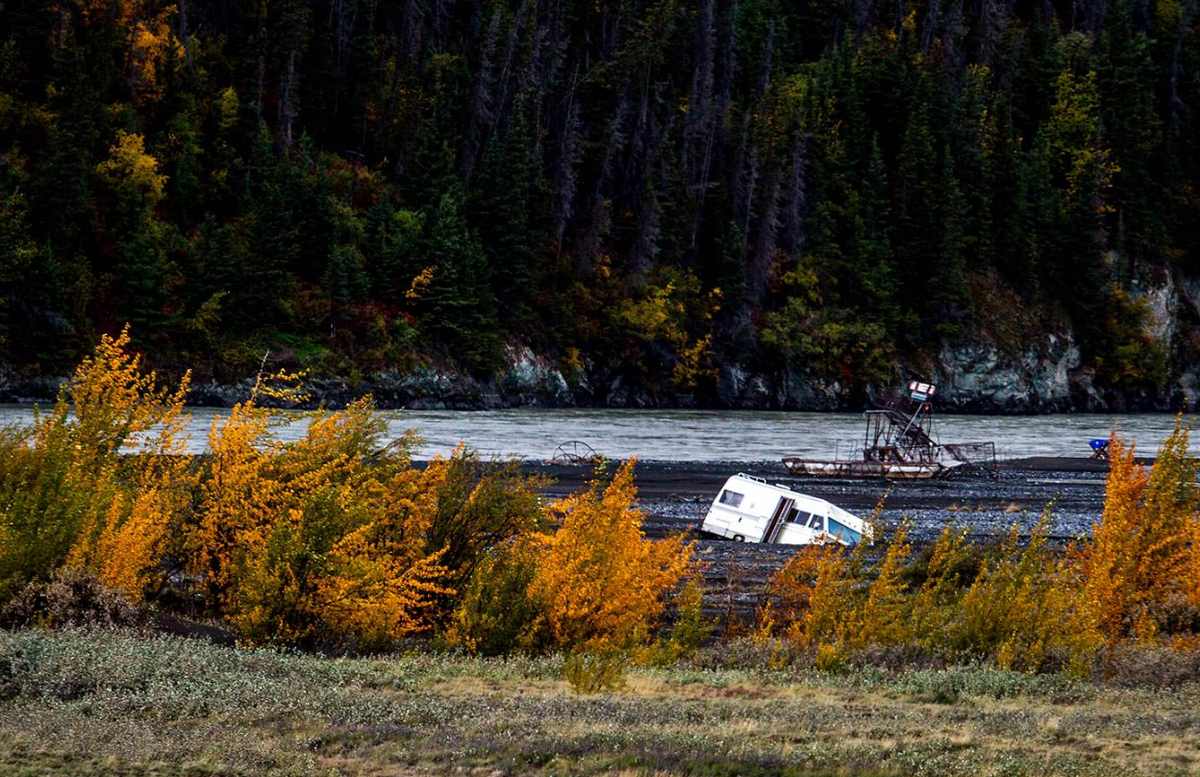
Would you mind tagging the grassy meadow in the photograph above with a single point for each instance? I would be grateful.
(120, 702)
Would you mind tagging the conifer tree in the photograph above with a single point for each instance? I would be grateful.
(458, 308)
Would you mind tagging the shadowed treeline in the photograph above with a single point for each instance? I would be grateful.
(641, 190)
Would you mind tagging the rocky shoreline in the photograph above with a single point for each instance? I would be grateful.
(971, 378)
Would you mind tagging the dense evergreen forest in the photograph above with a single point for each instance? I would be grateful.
(639, 191)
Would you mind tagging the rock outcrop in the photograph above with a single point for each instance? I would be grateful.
(978, 377)
(1045, 374)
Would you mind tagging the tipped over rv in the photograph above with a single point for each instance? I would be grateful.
(749, 509)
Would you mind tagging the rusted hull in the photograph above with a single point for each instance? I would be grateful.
(866, 469)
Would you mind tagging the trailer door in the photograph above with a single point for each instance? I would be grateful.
(775, 525)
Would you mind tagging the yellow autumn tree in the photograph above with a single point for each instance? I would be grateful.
(600, 582)
(131, 172)
(821, 598)
(337, 539)
(152, 42)
(1141, 555)
(1017, 609)
(1192, 580)
(73, 488)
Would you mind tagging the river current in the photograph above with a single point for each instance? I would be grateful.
(710, 435)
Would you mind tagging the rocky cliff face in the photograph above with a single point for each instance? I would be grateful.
(527, 380)
(1046, 374)
(1045, 377)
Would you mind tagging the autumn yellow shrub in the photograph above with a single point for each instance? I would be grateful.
(937, 604)
(321, 541)
(336, 539)
(43, 510)
(811, 599)
(129, 546)
(1192, 580)
(481, 506)
(883, 618)
(239, 499)
(822, 597)
(497, 613)
(595, 585)
(1017, 609)
(329, 576)
(600, 582)
(68, 491)
(1141, 554)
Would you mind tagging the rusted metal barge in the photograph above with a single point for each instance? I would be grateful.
(899, 444)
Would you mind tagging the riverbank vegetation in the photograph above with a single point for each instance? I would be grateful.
(448, 616)
(640, 191)
(338, 542)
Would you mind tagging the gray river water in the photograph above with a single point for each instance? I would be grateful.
(712, 435)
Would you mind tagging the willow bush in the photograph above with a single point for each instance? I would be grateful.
(68, 494)
(339, 541)
(1135, 581)
(336, 540)
(592, 583)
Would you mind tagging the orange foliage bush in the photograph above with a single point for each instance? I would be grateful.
(321, 540)
(811, 599)
(821, 599)
(599, 581)
(69, 495)
(334, 539)
(1142, 556)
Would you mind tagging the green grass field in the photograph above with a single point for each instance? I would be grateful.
(119, 703)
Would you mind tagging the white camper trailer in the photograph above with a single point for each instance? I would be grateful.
(749, 509)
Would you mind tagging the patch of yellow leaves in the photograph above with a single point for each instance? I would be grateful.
(601, 582)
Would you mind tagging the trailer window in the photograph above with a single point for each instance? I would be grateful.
(731, 498)
(793, 516)
(816, 521)
(844, 532)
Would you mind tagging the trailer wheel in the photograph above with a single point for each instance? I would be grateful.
(738, 538)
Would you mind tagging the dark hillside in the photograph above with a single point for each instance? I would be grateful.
(741, 202)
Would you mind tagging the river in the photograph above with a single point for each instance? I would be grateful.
(711, 435)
